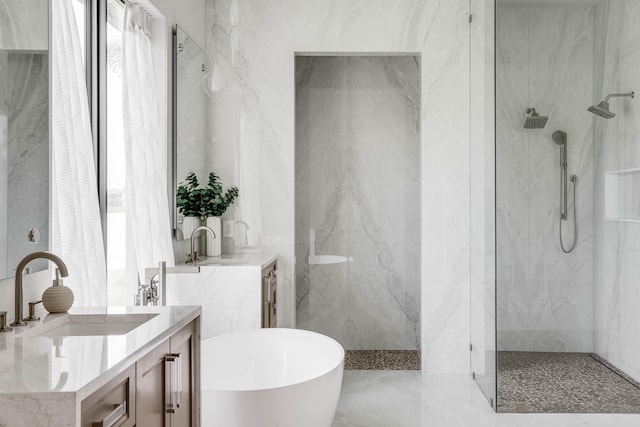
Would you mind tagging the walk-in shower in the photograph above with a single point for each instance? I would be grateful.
(566, 268)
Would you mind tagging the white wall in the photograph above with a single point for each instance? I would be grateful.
(544, 60)
(255, 113)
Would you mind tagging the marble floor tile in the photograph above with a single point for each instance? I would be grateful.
(406, 399)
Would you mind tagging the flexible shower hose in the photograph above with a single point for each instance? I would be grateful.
(574, 180)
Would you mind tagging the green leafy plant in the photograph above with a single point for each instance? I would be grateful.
(215, 202)
(207, 201)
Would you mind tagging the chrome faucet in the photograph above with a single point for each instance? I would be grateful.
(18, 280)
(155, 293)
(193, 256)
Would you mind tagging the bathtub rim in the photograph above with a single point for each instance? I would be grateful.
(339, 366)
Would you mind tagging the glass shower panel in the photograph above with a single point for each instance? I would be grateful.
(358, 200)
(482, 201)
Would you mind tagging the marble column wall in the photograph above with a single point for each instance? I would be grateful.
(617, 148)
(251, 130)
(4, 137)
(27, 101)
(24, 25)
(358, 186)
(545, 61)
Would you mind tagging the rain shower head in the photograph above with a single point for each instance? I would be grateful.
(534, 120)
(602, 109)
(559, 137)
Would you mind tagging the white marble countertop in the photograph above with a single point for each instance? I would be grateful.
(81, 364)
(236, 260)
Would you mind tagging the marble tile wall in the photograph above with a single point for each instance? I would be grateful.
(617, 147)
(24, 150)
(27, 155)
(357, 174)
(24, 25)
(254, 115)
(4, 137)
(545, 61)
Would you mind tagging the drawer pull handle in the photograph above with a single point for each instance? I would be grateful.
(174, 379)
(113, 417)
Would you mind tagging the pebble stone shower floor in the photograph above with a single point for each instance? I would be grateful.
(382, 360)
(563, 383)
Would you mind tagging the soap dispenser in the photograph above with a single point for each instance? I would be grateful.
(57, 298)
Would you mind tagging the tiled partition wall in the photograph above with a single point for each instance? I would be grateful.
(545, 61)
(617, 148)
(252, 131)
(357, 173)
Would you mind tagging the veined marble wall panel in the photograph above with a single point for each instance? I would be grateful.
(617, 265)
(357, 185)
(545, 297)
(27, 155)
(25, 25)
(4, 140)
(256, 110)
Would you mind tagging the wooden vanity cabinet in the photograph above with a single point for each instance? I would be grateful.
(168, 382)
(161, 389)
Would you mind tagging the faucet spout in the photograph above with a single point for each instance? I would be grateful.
(18, 279)
(193, 255)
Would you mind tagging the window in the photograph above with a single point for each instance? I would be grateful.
(119, 248)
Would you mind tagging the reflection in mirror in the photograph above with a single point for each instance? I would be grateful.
(190, 148)
(24, 132)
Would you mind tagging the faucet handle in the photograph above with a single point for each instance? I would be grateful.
(3, 322)
(32, 312)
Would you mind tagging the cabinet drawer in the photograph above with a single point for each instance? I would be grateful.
(113, 405)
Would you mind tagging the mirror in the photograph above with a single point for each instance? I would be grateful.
(190, 105)
(24, 132)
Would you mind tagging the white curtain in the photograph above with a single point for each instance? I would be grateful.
(76, 232)
(145, 150)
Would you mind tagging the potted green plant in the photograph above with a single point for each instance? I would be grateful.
(215, 203)
(189, 203)
(210, 202)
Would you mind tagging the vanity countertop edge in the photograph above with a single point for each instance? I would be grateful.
(83, 378)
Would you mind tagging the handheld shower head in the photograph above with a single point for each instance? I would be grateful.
(559, 137)
(602, 109)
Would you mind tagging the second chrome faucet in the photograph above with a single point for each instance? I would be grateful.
(193, 255)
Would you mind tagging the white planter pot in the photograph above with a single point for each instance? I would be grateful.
(214, 246)
(189, 223)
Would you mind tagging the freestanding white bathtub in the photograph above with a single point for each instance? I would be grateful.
(271, 378)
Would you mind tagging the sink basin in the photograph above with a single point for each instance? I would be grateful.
(88, 325)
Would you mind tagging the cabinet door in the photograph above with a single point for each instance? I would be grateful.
(186, 345)
(151, 390)
(269, 294)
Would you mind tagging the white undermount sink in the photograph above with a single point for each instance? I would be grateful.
(88, 325)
